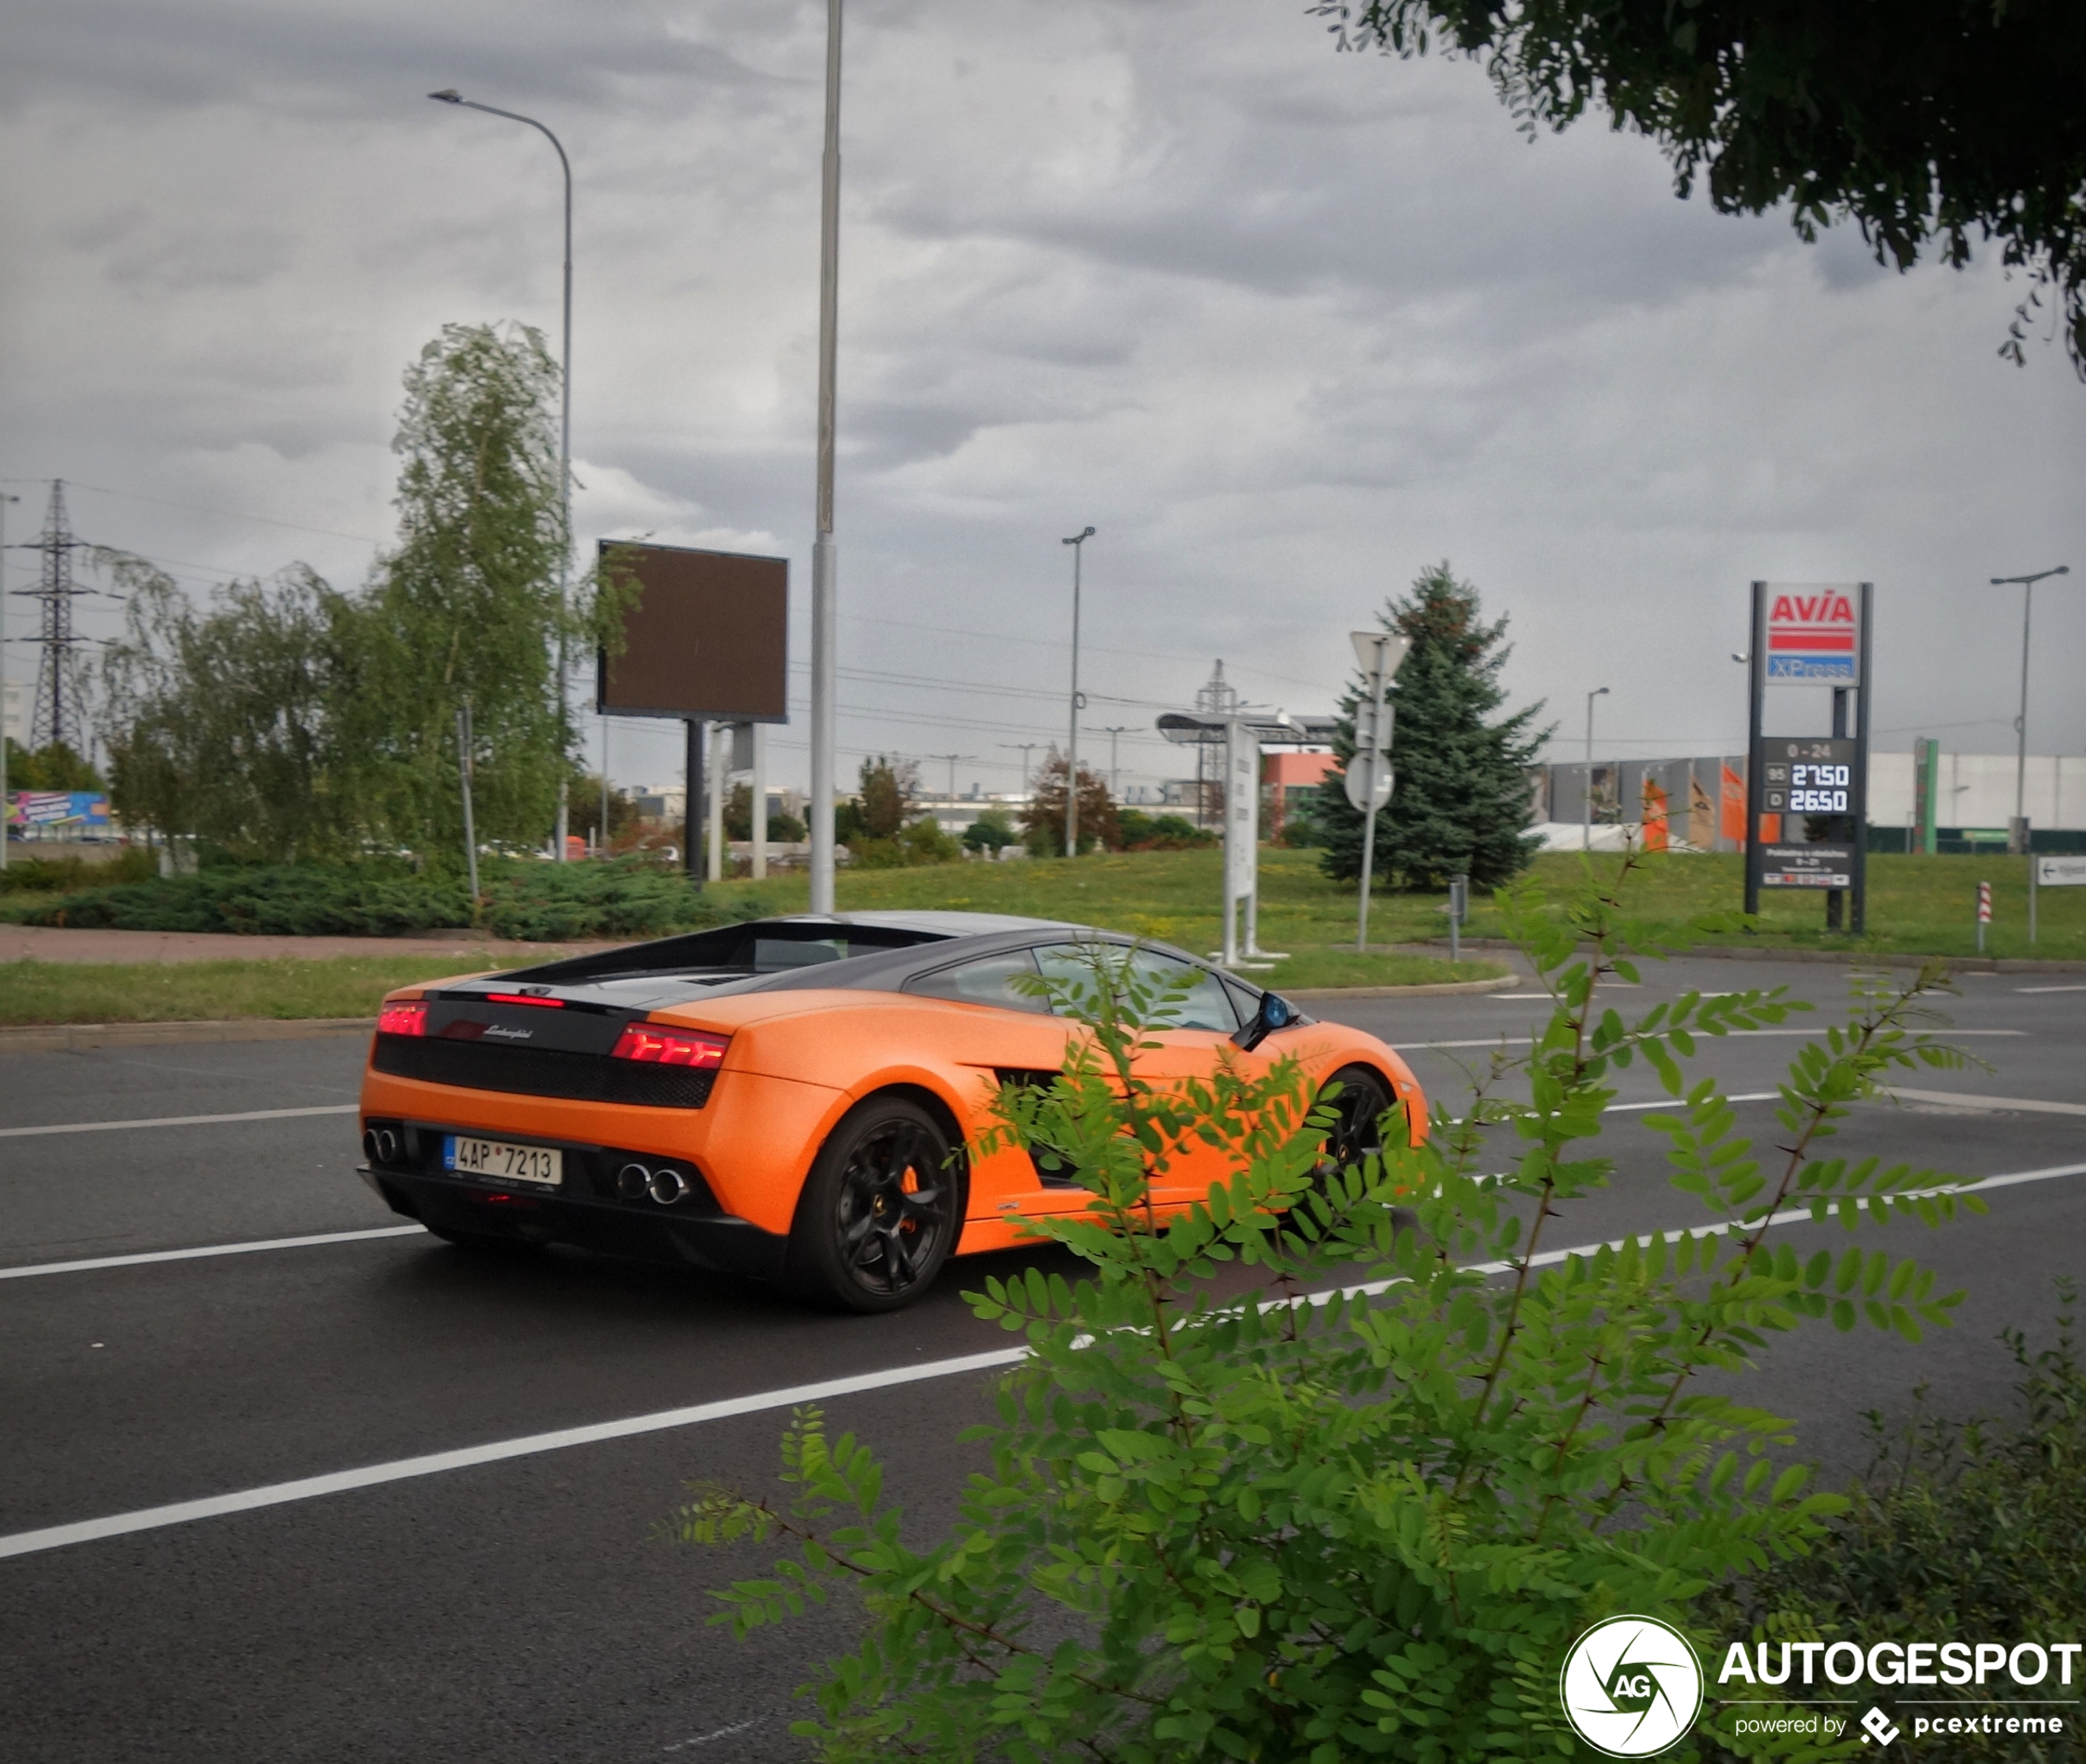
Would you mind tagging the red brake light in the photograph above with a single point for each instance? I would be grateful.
(673, 1047)
(523, 997)
(402, 1019)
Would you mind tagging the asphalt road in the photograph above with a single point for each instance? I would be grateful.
(523, 1608)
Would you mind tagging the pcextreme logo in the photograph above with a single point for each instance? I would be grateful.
(1631, 1687)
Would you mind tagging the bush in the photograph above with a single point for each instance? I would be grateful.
(1966, 1529)
(1291, 1517)
(922, 841)
(43, 875)
(526, 899)
(993, 831)
(1141, 832)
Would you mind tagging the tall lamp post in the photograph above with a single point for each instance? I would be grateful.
(1586, 824)
(450, 95)
(825, 558)
(2017, 834)
(6, 798)
(1078, 544)
(1114, 773)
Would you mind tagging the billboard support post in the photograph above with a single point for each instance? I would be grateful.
(691, 843)
(759, 793)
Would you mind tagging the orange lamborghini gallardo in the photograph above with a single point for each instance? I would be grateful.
(791, 1098)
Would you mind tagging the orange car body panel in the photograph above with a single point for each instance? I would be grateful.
(799, 1060)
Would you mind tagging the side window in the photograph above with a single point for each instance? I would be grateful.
(988, 982)
(1206, 1005)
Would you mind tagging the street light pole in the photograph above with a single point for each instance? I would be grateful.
(1024, 748)
(1114, 777)
(450, 95)
(825, 617)
(2019, 832)
(1586, 826)
(1078, 544)
(7, 796)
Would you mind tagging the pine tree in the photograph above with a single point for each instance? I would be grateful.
(1460, 795)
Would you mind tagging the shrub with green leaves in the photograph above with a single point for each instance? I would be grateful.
(523, 898)
(1957, 1529)
(1338, 1464)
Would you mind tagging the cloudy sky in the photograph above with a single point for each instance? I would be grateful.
(1284, 325)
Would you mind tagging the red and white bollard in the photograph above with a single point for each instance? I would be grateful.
(1984, 913)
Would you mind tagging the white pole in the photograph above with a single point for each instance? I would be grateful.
(1376, 761)
(759, 794)
(825, 619)
(7, 796)
(718, 771)
(1078, 544)
(1586, 825)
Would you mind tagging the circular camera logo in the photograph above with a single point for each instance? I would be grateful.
(1632, 1686)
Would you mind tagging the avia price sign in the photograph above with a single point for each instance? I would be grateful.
(1813, 631)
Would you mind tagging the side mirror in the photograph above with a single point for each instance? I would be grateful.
(1276, 1013)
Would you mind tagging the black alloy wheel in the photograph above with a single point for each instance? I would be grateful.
(881, 1211)
(1364, 1100)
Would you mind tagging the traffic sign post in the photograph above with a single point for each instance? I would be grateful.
(1459, 910)
(1807, 796)
(1368, 771)
(1984, 913)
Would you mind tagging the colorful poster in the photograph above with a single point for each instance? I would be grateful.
(1656, 825)
(57, 810)
(1733, 806)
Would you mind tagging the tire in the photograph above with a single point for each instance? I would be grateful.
(879, 1212)
(1365, 1098)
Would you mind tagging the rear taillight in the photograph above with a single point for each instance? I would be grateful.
(673, 1047)
(402, 1019)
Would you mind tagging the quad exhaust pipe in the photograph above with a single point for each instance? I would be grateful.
(380, 1145)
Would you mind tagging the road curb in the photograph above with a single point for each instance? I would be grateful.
(1439, 989)
(73, 1038)
(1969, 964)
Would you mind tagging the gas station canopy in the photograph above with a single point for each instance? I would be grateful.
(1271, 728)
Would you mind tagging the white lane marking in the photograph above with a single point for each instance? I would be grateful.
(434, 1463)
(1700, 1036)
(1966, 1099)
(93, 1263)
(722, 1733)
(1680, 1102)
(178, 1120)
(1508, 997)
(2049, 988)
(528, 1445)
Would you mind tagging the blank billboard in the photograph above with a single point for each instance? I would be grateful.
(708, 636)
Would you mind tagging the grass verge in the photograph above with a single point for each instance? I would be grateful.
(159, 992)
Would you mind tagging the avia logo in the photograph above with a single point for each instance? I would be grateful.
(1881, 1728)
(1631, 1687)
(503, 1032)
(1829, 608)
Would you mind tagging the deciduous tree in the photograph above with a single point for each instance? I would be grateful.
(1931, 124)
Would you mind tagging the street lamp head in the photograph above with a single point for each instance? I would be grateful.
(447, 95)
(1740, 659)
(1077, 537)
(1599, 691)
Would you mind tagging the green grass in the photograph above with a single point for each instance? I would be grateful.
(158, 992)
(1917, 906)
(1921, 905)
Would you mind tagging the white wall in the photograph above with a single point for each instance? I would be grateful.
(1976, 789)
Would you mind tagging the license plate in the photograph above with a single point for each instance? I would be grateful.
(504, 1160)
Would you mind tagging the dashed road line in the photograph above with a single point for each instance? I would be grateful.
(88, 1264)
(178, 1120)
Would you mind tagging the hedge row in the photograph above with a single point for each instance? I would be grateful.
(538, 902)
